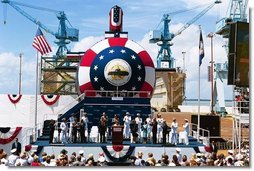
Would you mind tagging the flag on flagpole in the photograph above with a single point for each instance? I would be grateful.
(201, 48)
(40, 43)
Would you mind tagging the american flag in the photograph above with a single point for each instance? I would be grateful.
(40, 43)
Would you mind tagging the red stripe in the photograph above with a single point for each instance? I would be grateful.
(55, 98)
(8, 140)
(14, 101)
(117, 41)
(41, 44)
(146, 59)
(88, 58)
(146, 87)
(87, 86)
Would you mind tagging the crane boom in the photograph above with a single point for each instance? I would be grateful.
(196, 18)
(28, 16)
(64, 35)
(163, 37)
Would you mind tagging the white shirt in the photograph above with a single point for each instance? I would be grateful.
(138, 121)
(127, 120)
(12, 160)
(85, 121)
(64, 126)
(23, 162)
(174, 127)
(186, 127)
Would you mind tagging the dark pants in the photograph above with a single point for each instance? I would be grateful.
(102, 136)
(82, 135)
(51, 136)
(154, 137)
(74, 135)
(164, 138)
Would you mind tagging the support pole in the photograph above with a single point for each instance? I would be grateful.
(36, 93)
(20, 73)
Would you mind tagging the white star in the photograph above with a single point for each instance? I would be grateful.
(96, 79)
(111, 51)
(133, 57)
(139, 67)
(95, 67)
(122, 51)
(102, 88)
(101, 57)
(139, 78)
(133, 88)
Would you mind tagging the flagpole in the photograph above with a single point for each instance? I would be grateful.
(198, 128)
(200, 60)
(36, 94)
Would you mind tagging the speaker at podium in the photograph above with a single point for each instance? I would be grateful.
(117, 135)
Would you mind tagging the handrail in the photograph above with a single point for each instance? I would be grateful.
(130, 94)
(70, 105)
(205, 134)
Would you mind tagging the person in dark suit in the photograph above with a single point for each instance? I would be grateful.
(134, 130)
(154, 130)
(214, 147)
(165, 131)
(51, 130)
(103, 127)
(17, 145)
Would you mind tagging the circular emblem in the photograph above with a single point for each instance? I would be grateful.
(117, 72)
(116, 64)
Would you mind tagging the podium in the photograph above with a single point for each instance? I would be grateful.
(117, 135)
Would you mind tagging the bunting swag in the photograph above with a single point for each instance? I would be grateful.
(118, 153)
(14, 98)
(8, 134)
(50, 99)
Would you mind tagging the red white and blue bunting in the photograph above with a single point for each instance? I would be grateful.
(8, 134)
(14, 98)
(118, 153)
(50, 99)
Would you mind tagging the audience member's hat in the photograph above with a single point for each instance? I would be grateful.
(198, 154)
(178, 149)
(101, 159)
(13, 150)
(138, 114)
(230, 151)
(28, 147)
(81, 152)
(127, 113)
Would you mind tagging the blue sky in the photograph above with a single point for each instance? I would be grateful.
(91, 18)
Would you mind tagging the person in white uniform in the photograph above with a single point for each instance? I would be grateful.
(85, 122)
(71, 120)
(174, 127)
(149, 127)
(126, 129)
(64, 129)
(186, 127)
(159, 120)
(138, 120)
